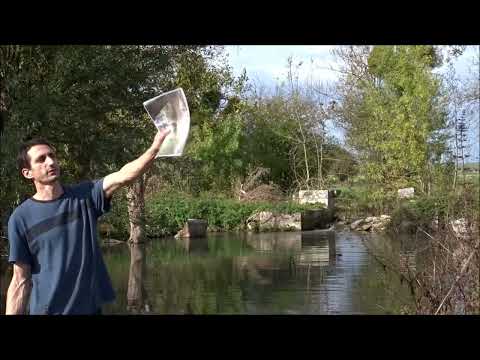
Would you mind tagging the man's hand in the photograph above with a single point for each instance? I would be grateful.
(131, 171)
(158, 140)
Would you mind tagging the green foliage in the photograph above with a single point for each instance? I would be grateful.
(439, 208)
(87, 101)
(394, 117)
(362, 200)
(216, 145)
(420, 212)
(283, 133)
(339, 163)
(168, 212)
(266, 141)
(117, 218)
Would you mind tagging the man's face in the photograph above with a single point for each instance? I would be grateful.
(43, 165)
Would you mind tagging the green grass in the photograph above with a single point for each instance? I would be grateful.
(473, 166)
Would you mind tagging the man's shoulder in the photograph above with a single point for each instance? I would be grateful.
(82, 188)
(21, 211)
(24, 206)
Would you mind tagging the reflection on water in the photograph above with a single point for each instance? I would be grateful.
(193, 245)
(314, 272)
(311, 272)
(137, 301)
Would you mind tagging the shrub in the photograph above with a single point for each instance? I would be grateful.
(167, 213)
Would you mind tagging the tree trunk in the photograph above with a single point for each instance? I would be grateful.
(136, 210)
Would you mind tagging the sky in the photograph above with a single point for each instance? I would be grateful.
(266, 65)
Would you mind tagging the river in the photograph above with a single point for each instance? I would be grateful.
(311, 272)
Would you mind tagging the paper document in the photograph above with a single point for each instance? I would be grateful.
(170, 110)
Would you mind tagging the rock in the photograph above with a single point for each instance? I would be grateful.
(356, 224)
(267, 221)
(406, 193)
(382, 221)
(193, 228)
(286, 222)
(366, 227)
(459, 227)
(181, 234)
(371, 223)
(262, 221)
(378, 226)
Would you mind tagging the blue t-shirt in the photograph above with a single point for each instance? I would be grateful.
(58, 238)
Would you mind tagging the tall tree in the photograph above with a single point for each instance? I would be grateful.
(390, 111)
(88, 101)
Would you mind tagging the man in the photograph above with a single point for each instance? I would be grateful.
(57, 263)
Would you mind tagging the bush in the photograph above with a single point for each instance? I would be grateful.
(359, 201)
(116, 220)
(417, 212)
(167, 212)
(440, 207)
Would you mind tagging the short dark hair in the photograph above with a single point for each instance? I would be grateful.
(23, 160)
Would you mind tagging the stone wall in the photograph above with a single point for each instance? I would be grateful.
(324, 197)
(317, 219)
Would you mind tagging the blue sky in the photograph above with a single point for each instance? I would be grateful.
(266, 65)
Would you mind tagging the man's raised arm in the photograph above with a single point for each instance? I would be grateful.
(18, 293)
(131, 171)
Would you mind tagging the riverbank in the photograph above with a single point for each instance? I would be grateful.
(432, 212)
(448, 223)
(166, 213)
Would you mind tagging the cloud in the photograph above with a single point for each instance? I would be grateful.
(271, 61)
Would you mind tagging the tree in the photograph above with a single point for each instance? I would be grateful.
(92, 97)
(211, 158)
(390, 111)
(461, 99)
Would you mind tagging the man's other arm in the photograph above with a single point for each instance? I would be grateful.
(18, 293)
(131, 171)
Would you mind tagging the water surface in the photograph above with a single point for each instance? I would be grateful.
(311, 272)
